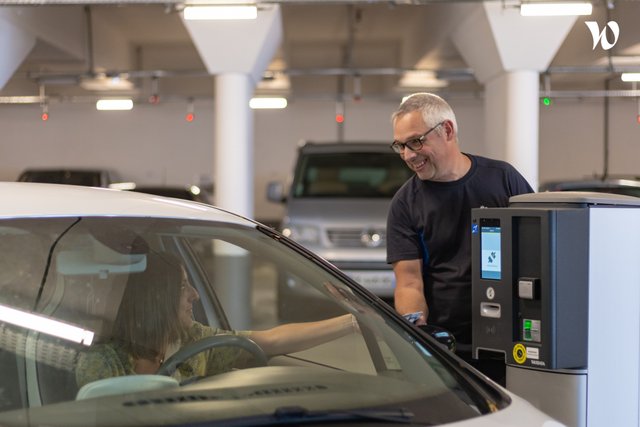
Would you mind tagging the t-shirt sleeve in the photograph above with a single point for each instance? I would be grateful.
(403, 239)
(517, 183)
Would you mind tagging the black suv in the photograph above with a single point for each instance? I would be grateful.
(86, 177)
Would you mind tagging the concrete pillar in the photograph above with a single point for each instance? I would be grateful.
(511, 103)
(237, 53)
(507, 52)
(233, 151)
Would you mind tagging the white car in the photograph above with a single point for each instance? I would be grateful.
(72, 257)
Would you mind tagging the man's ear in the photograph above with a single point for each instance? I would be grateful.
(447, 125)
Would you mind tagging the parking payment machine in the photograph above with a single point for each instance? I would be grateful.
(556, 289)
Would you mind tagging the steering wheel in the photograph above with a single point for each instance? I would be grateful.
(172, 363)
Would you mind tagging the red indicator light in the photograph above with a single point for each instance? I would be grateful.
(190, 117)
(44, 117)
(339, 118)
(154, 99)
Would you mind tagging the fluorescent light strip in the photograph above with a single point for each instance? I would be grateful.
(194, 13)
(45, 325)
(630, 77)
(21, 99)
(555, 9)
(268, 103)
(114, 104)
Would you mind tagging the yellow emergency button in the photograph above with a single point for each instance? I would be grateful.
(519, 353)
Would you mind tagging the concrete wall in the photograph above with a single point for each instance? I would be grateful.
(154, 144)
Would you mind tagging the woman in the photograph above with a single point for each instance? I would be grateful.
(155, 319)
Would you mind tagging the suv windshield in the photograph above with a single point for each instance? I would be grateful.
(352, 175)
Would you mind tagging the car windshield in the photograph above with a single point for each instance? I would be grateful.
(90, 303)
(352, 175)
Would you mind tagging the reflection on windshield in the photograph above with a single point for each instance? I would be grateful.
(42, 324)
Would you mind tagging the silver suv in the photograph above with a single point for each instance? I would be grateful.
(337, 207)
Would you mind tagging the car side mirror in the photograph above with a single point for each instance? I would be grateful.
(443, 336)
(275, 192)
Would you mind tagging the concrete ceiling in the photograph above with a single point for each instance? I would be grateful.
(330, 50)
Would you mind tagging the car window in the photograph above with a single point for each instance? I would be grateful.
(73, 278)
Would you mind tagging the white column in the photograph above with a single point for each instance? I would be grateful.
(233, 180)
(233, 163)
(512, 112)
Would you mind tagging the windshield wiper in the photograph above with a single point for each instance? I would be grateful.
(298, 415)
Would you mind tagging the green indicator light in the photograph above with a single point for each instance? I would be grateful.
(527, 324)
(546, 101)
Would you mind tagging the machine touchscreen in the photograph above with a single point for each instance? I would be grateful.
(490, 245)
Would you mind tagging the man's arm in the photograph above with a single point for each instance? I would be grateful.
(409, 292)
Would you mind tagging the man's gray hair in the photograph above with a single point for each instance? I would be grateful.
(434, 109)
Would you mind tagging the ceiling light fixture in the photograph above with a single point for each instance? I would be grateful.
(102, 82)
(222, 12)
(421, 79)
(630, 77)
(114, 104)
(268, 103)
(556, 9)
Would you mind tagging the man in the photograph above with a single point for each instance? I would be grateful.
(429, 222)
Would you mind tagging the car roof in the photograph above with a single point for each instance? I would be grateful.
(27, 199)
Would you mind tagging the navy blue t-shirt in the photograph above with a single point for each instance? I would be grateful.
(431, 221)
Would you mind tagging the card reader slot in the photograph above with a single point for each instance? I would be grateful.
(490, 309)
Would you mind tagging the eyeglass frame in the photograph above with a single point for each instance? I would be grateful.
(399, 147)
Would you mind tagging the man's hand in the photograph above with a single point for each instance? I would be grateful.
(409, 292)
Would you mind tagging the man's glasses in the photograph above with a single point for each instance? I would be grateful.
(414, 144)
